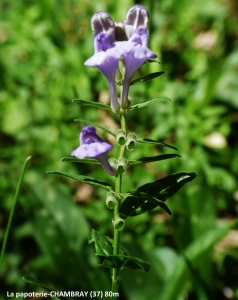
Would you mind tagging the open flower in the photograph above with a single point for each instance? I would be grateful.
(135, 53)
(92, 146)
(106, 60)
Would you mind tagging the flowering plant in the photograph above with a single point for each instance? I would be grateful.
(121, 48)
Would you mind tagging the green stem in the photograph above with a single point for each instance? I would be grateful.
(118, 188)
(12, 211)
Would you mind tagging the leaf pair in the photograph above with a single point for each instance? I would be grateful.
(104, 248)
(153, 194)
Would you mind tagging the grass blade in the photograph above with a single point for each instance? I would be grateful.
(13, 209)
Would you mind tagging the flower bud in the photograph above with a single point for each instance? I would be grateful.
(119, 223)
(111, 200)
(131, 142)
(121, 137)
(101, 22)
(122, 164)
(137, 16)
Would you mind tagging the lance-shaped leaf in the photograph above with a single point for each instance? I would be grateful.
(78, 160)
(104, 244)
(92, 104)
(137, 203)
(96, 125)
(166, 187)
(149, 141)
(153, 158)
(125, 261)
(146, 103)
(30, 279)
(84, 179)
(146, 77)
(152, 60)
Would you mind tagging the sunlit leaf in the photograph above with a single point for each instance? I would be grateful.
(146, 103)
(78, 160)
(92, 104)
(84, 179)
(166, 187)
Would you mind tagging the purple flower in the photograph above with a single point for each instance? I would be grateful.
(106, 60)
(92, 146)
(107, 54)
(135, 53)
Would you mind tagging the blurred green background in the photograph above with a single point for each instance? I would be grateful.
(194, 253)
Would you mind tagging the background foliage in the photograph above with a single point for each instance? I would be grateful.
(193, 254)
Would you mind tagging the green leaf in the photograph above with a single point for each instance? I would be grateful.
(180, 273)
(146, 77)
(104, 244)
(78, 160)
(92, 103)
(166, 187)
(146, 103)
(137, 203)
(85, 179)
(125, 261)
(149, 141)
(153, 158)
(151, 60)
(96, 125)
(30, 279)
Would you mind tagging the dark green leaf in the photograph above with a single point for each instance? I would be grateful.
(146, 103)
(146, 77)
(149, 141)
(151, 60)
(92, 103)
(30, 279)
(125, 261)
(137, 203)
(78, 160)
(96, 125)
(104, 244)
(166, 187)
(85, 179)
(153, 158)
